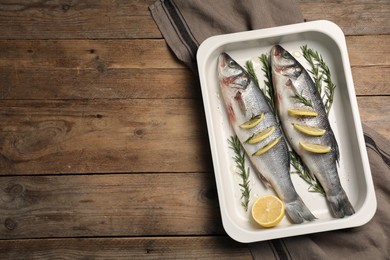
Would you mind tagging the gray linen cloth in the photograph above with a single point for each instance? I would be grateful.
(185, 24)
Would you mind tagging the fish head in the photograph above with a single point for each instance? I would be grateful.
(284, 63)
(231, 75)
(233, 81)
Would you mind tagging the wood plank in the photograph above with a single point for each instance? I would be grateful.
(108, 69)
(355, 17)
(109, 205)
(101, 55)
(131, 19)
(372, 80)
(32, 83)
(374, 111)
(38, 137)
(369, 51)
(220, 247)
(64, 123)
(25, 19)
(37, 83)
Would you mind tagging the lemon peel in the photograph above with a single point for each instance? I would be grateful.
(268, 211)
(267, 147)
(309, 130)
(252, 122)
(301, 112)
(261, 135)
(315, 148)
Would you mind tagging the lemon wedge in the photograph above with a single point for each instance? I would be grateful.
(309, 130)
(261, 135)
(301, 112)
(315, 148)
(267, 147)
(252, 122)
(268, 211)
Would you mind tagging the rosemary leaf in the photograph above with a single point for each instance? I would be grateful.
(251, 71)
(300, 98)
(297, 163)
(303, 172)
(321, 74)
(268, 89)
(239, 159)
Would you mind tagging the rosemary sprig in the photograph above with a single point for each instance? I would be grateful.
(295, 160)
(315, 70)
(300, 98)
(303, 172)
(330, 87)
(321, 73)
(266, 62)
(269, 89)
(239, 158)
(251, 71)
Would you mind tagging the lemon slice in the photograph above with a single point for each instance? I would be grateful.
(309, 130)
(267, 147)
(261, 135)
(268, 211)
(253, 122)
(315, 148)
(301, 112)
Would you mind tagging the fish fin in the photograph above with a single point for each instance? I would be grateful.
(231, 114)
(264, 180)
(298, 211)
(292, 71)
(291, 85)
(337, 151)
(340, 205)
(240, 102)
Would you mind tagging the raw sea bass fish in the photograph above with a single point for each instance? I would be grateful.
(256, 127)
(296, 91)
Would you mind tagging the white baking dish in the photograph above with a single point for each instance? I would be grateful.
(354, 171)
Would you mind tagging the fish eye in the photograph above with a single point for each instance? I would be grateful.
(285, 54)
(231, 63)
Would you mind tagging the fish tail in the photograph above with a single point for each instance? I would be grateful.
(298, 212)
(340, 205)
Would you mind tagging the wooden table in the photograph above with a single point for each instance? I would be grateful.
(104, 150)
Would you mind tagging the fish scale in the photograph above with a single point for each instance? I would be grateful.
(244, 100)
(289, 78)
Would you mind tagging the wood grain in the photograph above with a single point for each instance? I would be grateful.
(112, 83)
(373, 80)
(89, 19)
(104, 150)
(89, 136)
(208, 247)
(109, 205)
(374, 112)
(34, 83)
(101, 55)
(84, 69)
(359, 17)
(369, 50)
(97, 136)
(121, 19)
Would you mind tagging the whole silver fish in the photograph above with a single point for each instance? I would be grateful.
(291, 79)
(244, 100)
